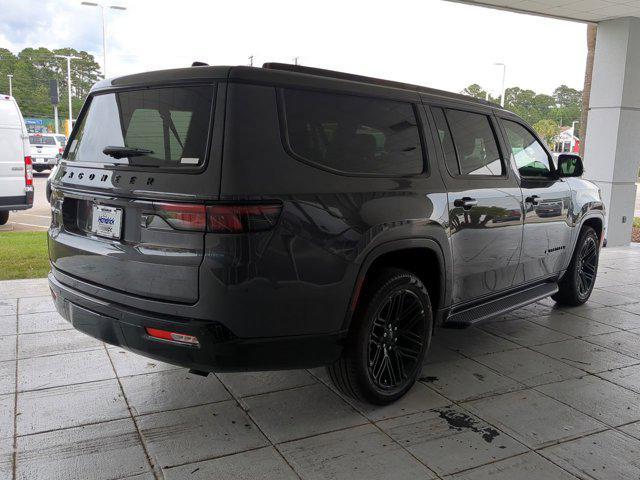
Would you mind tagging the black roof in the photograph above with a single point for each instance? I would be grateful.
(282, 74)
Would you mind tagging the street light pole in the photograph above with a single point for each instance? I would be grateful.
(504, 76)
(10, 85)
(104, 29)
(69, 58)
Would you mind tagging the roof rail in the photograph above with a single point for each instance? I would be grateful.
(321, 72)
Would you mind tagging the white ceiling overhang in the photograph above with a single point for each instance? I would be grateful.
(582, 11)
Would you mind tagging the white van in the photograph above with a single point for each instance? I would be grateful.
(16, 176)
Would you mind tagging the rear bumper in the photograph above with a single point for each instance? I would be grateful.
(220, 350)
(43, 160)
(22, 202)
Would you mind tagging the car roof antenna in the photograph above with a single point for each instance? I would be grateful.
(199, 64)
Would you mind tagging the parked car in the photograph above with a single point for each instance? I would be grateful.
(16, 179)
(61, 140)
(45, 149)
(239, 218)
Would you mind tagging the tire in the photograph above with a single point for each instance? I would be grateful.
(389, 337)
(577, 283)
(4, 217)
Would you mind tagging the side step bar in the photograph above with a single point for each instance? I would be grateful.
(499, 306)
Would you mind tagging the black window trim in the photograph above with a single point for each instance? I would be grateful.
(284, 135)
(494, 129)
(455, 149)
(554, 171)
(215, 85)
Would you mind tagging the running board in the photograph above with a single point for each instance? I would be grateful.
(499, 306)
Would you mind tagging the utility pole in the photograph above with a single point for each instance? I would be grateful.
(55, 99)
(69, 58)
(104, 30)
(10, 85)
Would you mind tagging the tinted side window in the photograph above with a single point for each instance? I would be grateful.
(475, 143)
(530, 157)
(444, 134)
(353, 134)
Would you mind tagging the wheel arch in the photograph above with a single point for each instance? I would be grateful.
(595, 221)
(417, 255)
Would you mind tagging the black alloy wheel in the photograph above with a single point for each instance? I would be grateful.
(587, 266)
(576, 285)
(388, 338)
(396, 339)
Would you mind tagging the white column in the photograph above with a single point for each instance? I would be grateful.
(612, 149)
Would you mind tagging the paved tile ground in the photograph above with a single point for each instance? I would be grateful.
(542, 393)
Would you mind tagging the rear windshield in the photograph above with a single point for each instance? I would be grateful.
(40, 140)
(165, 127)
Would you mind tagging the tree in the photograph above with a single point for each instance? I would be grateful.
(33, 68)
(592, 31)
(566, 96)
(475, 91)
(548, 130)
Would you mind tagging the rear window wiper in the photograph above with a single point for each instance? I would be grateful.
(123, 152)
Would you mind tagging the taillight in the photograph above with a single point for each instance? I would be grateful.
(172, 336)
(242, 218)
(28, 172)
(183, 216)
(219, 218)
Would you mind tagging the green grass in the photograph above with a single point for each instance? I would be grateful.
(23, 255)
(636, 222)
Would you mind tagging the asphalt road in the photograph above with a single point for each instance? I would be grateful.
(39, 217)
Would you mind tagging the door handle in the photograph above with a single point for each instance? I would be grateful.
(533, 199)
(465, 202)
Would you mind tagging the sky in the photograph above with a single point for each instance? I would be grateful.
(428, 42)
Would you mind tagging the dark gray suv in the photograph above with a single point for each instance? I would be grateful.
(237, 218)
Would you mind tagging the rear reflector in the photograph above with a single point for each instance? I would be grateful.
(172, 336)
(219, 218)
(28, 172)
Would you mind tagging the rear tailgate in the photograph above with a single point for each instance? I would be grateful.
(43, 149)
(113, 224)
(145, 256)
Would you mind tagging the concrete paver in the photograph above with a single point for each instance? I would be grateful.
(104, 451)
(542, 393)
(607, 455)
(450, 439)
(362, 452)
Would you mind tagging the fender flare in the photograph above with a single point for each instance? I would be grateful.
(376, 252)
(578, 229)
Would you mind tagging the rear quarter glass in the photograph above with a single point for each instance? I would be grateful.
(166, 127)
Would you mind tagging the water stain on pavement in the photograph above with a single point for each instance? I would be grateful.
(460, 421)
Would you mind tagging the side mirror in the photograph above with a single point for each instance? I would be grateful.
(570, 165)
